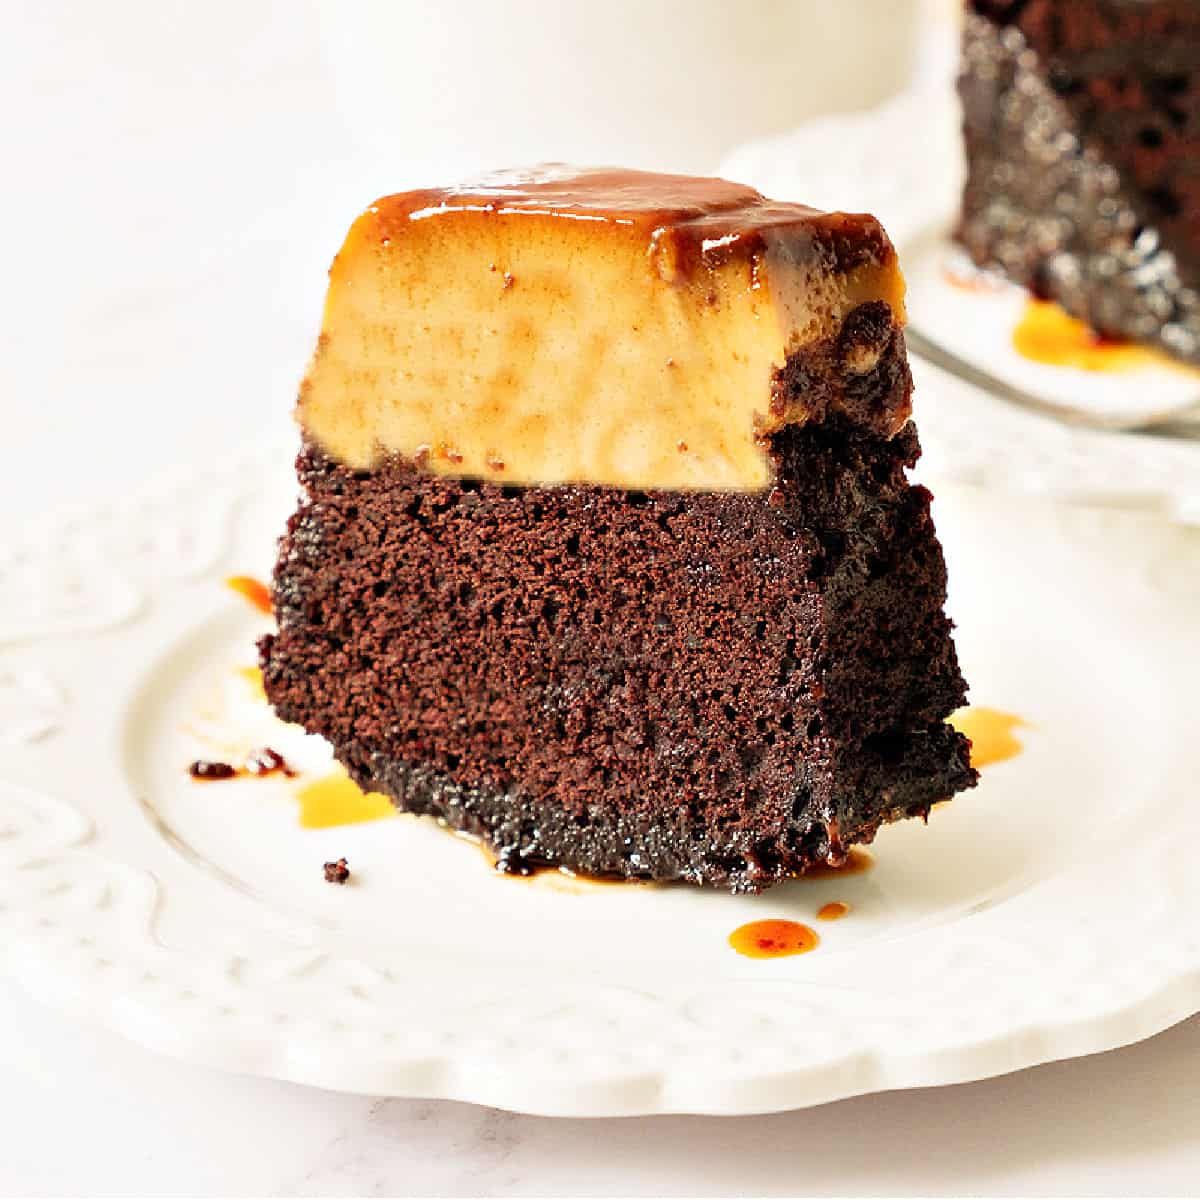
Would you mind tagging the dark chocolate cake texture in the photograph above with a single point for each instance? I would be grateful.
(1082, 129)
(606, 551)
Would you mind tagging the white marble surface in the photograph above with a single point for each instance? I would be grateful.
(176, 179)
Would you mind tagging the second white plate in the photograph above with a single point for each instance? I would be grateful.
(904, 162)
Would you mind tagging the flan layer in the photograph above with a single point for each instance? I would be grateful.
(605, 327)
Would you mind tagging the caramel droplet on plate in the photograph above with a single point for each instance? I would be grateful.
(773, 939)
(338, 800)
(991, 734)
(253, 590)
(1048, 334)
(254, 679)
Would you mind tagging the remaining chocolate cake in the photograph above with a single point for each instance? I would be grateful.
(1082, 122)
(606, 551)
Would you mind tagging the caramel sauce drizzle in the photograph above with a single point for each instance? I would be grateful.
(835, 910)
(335, 799)
(253, 590)
(254, 680)
(857, 861)
(259, 763)
(1048, 334)
(558, 879)
(991, 732)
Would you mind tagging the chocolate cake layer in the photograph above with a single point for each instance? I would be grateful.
(719, 687)
(1082, 129)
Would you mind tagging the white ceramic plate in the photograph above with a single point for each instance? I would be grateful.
(971, 436)
(972, 315)
(1052, 912)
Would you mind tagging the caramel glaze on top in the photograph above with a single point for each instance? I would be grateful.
(688, 220)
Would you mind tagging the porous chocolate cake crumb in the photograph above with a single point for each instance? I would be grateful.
(337, 872)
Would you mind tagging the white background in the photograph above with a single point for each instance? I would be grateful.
(173, 181)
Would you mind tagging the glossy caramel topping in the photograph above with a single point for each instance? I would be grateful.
(603, 326)
(681, 218)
